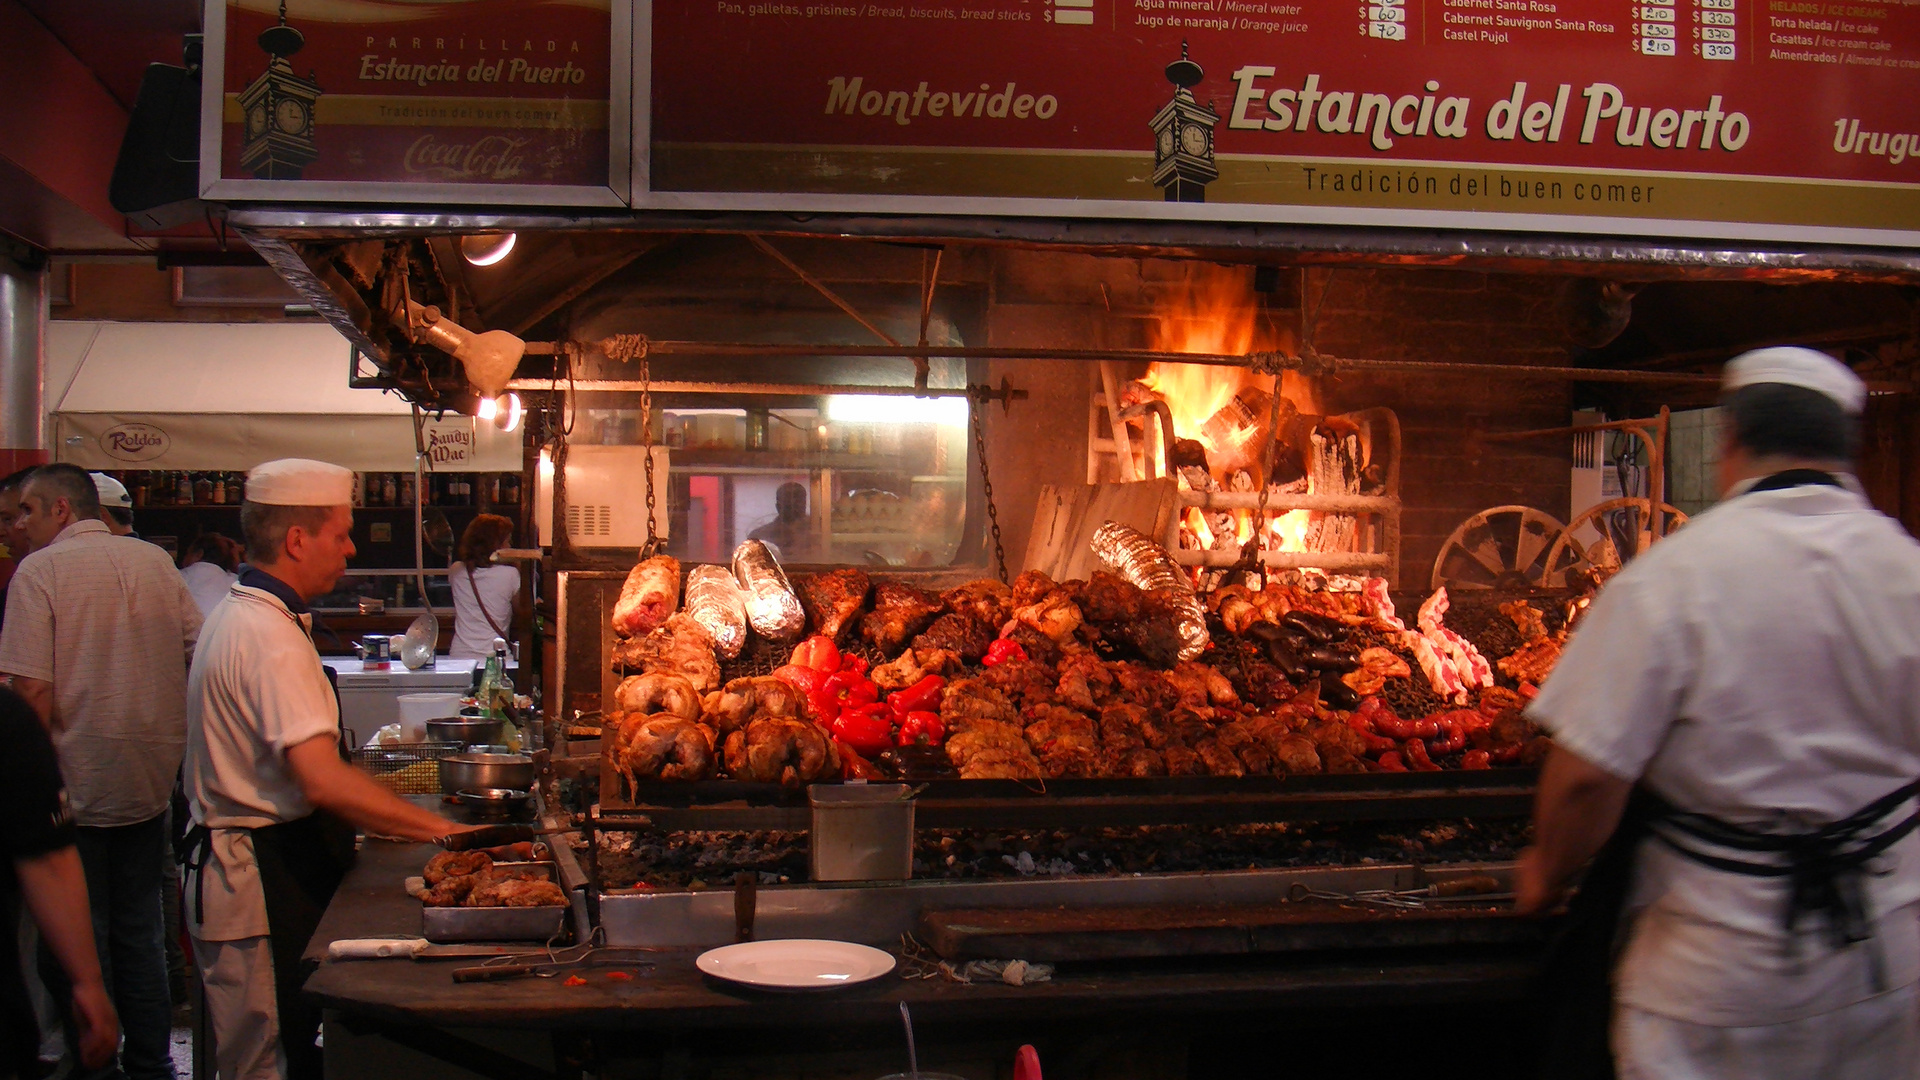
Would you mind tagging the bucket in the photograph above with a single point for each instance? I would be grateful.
(417, 709)
(860, 832)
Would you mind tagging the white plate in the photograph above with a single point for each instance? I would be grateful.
(795, 964)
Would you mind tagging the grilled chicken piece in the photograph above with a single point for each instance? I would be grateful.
(899, 612)
(651, 592)
(966, 701)
(730, 707)
(1219, 758)
(987, 600)
(1030, 586)
(1182, 761)
(1085, 683)
(1377, 665)
(898, 674)
(658, 692)
(1531, 662)
(990, 750)
(1064, 740)
(1026, 683)
(1236, 607)
(1110, 598)
(451, 891)
(451, 864)
(1054, 614)
(781, 750)
(957, 633)
(680, 646)
(670, 748)
(500, 891)
(1529, 620)
(834, 598)
(1143, 686)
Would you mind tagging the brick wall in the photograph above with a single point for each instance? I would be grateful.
(1448, 470)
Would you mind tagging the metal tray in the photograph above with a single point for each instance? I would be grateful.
(450, 924)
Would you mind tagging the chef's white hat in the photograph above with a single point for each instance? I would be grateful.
(1792, 365)
(300, 482)
(112, 492)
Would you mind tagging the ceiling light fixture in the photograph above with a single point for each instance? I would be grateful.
(485, 249)
(489, 358)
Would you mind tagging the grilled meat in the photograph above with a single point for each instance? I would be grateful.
(957, 633)
(498, 891)
(1053, 614)
(682, 645)
(1531, 662)
(781, 750)
(449, 864)
(833, 599)
(651, 592)
(658, 692)
(1110, 598)
(728, 709)
(665, 747)
(1529, 620)
(1064, 740)
(899, 612)
(1377, 665)
(987, 600)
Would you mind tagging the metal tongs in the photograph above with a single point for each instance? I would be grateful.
(1476, 889)
(552, 962)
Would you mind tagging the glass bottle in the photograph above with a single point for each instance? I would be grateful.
(217, 489)
(203, 490)
(235, 488)
(183, 488)
(406, 489)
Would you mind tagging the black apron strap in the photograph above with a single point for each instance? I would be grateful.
(301, 863)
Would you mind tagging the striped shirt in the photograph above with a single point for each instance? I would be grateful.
(106, 620)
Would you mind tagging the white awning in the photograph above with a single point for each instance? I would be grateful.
(232, 395)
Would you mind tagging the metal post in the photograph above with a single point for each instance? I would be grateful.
(23, 361)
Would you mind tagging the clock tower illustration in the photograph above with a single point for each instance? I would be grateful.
(1183, 136)
(277, 108)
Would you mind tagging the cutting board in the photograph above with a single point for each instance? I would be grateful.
(1067, 515)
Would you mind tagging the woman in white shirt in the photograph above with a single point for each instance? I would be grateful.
(210, 567)
(483, 593)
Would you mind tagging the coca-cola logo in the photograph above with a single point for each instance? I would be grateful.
(489, 158)
(134, 442)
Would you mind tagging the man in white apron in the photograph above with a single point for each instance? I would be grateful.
(1758, 676)
(274, 803)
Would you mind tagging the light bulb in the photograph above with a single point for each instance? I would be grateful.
(509, 413)
(489, 408)
(485, 249)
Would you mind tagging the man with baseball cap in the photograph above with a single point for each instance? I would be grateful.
(116, 505)
(275, 804)
(1757, 676)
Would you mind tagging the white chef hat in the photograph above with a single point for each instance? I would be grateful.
(1791, 365)
(112, 492)
(300, 482)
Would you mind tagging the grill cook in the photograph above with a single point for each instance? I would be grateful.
(1755, 676)
(274, 804)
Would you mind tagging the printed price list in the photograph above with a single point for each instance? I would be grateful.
(1716, 29)
(1385, 20)
(1656, 28)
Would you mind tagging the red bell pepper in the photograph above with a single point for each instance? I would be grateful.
(842, 690)
(801, 678)
(855, 767)
(1476, 759)
(920, 726)
(854, 663)
(1003, 650)
(817, 652)
(1390, 762)
(922, 696)
(866, 728)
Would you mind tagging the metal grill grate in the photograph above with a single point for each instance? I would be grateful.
(406, 769)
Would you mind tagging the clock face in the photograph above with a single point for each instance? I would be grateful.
(1166, 141)
(256, 119)
(1193, 140)
(290, 116)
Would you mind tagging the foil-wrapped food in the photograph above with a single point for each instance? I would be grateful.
(715, 602)
(773, 609)
(651, 593)
(1145, 564)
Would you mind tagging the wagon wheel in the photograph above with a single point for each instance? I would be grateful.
(1504, 547)
(1625, 531)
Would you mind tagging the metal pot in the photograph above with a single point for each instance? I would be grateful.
(467, 772)
(494, 802)
(465, 730)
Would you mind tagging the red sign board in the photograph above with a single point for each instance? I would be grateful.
(1765, 119)
(461, 98)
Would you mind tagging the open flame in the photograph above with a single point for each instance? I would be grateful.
(1216, 312)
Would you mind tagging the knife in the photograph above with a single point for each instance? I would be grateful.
(412, 948)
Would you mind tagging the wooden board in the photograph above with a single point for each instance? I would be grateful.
(1052, 935)
(1066, 516)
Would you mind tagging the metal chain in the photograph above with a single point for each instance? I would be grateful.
(1250, 561)
(978, 398)
(646, 444)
